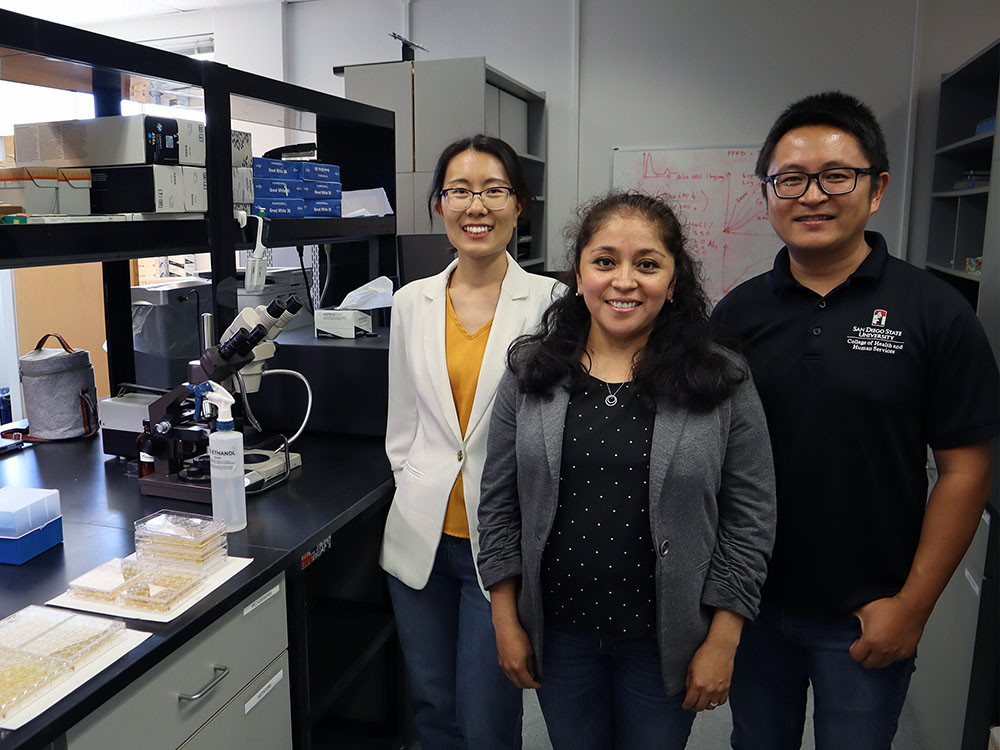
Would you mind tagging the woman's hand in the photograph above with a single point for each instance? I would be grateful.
(711, 667)
(514, 652)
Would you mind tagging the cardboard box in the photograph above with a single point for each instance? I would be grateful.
(195, 184)
(191, 142)
(317, 191)
(74, 191)
(345, 324)
(153, 188)
(275, 169)
(100, 142)
(242, 185)
(33, 188)
(315, 172)
(280, 189)
(279, 209)
(323, 208)
(242, 148)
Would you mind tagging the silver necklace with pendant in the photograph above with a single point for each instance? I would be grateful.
(612, 397)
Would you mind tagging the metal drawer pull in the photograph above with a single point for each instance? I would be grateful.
(220, 674)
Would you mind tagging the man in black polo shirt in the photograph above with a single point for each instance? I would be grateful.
(862, 361)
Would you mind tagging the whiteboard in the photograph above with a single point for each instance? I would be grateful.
(719, 201)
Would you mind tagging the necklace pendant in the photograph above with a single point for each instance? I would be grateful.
(611, 400)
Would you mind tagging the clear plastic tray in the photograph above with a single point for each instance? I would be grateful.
(105, 582)
(155, 558)
(23, 676)
(175, 552)
(204, 548)
(25, 509)
(160, 590)
(29, 623)
(76, 640)
(179, 527)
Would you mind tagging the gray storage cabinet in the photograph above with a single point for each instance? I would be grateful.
(437, 101)
(251, 642)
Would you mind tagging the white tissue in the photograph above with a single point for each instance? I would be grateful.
(376, 293)
(371, 202)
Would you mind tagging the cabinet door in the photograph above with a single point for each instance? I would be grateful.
(449, 102)
(150, 714)
(514, 122)
(389, 86)
(421, 225)
(260, 716)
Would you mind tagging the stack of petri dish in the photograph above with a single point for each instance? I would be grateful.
(186, 541)
(42, 645)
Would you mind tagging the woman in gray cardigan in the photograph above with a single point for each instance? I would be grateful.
(627, 506)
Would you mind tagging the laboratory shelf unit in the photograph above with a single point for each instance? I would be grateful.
(356, 136)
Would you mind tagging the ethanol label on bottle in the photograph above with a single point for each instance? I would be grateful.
(223, 459)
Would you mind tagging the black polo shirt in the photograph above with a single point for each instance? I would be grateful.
(855, 385)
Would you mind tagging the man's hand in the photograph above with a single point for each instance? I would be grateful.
(890, 631)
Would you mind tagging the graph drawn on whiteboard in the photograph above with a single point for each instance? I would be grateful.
(720, 203)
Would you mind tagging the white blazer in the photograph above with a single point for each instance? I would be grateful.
(422, 438)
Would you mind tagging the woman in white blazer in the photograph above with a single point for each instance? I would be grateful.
(447, 350)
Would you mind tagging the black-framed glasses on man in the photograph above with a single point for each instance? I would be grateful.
(493, 198)
(834, 181)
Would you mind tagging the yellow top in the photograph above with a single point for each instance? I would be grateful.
(464, 352)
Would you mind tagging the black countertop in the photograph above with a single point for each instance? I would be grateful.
(340, 479)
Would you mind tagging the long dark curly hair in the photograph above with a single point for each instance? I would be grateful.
(682, 358)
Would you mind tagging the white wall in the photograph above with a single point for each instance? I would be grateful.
(719, 73)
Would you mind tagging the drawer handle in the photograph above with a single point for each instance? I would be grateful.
(220, 675)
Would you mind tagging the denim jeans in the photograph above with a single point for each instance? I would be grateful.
(780, 654)
(599, 693)
(462, 700)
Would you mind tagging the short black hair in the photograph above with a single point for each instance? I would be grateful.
(835, 109)
(489, 145)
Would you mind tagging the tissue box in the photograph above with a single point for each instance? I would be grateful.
(322, 208)
(191, 142)
(195, 188)
(74, 191)
(316, 191)
(275, 169)
(35, 189)
(142, 189)
(345, 324)
(314, 172)
(102, 141)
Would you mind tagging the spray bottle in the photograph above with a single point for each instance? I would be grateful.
(225, 449)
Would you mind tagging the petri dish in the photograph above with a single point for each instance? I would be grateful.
(24, 676)
(105, 582)
(29, 623)
(76, 640)
(160, 590)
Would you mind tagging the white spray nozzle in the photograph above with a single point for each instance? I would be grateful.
(219, 396)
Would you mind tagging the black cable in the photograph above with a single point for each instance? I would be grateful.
(302, 265)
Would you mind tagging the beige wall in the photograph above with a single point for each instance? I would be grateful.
(68, 300)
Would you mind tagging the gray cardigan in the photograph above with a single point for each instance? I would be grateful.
(711, 511)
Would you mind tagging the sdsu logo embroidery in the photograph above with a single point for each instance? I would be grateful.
(875, 337)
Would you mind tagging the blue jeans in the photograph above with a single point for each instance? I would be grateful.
(598, 693)
(780, 654)
(462, 700)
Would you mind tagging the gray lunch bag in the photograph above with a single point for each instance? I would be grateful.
(60, 394)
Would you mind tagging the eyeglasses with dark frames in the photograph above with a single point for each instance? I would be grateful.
(493, 198)
(834, 181)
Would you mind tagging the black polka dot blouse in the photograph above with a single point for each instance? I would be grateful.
(598, 565)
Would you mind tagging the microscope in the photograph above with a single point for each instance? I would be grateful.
(180, 422)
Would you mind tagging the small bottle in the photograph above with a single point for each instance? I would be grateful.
(144, 444)
(6, 415)
(225, 449)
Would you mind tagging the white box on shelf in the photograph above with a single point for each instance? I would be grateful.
(35, 189)
(191, 142)
(99, 142)
(195, 188)
(74, 191)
